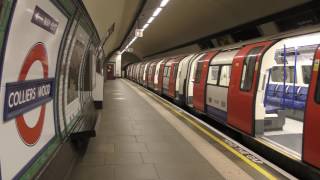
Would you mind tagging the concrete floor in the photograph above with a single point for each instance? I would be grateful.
(138, 140)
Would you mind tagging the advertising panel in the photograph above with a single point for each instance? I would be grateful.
(27, 84)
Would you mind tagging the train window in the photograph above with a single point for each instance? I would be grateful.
(225, 75)
(248, 69)
(306, 73)
(169, 71)
(165, 71)
(198, 72)
(277, 74)
(213, 75)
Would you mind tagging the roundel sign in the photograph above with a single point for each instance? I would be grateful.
(25, 95)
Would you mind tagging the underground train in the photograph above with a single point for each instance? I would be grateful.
(266, 88)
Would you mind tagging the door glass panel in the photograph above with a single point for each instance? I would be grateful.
(198, 72)
(213, 75)
(169, 71)
(225, 75)
(248, 69)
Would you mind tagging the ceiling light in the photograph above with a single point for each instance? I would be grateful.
(164, 3)
(150, 20)
(145, 26)
(157, 12)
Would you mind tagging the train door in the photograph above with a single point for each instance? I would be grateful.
(141, 72)
(166, 77)
(200, 81)
(156, 75)
(110, 71)
(190, 79)
(311, 143)
(160, 76)
(145, 74)
(181, 79)
(150, 70)
(172, 81)
(242, 88)
(153, 75)
(136, 74)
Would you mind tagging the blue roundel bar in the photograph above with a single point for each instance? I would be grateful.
(23, 96)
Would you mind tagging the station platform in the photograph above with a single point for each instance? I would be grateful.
(140, 136)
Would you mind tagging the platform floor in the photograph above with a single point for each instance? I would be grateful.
(138, 139)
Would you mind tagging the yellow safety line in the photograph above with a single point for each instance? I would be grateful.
(215, 138)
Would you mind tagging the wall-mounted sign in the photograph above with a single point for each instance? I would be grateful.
(28, 69)
(139, 33)
(21, 97)
(44, 20)
(25, 95)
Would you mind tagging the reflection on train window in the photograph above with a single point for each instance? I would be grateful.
(278, 74)
(225, 75)
(306, 74)
(248, 69)
(214, 74)
(198, 72)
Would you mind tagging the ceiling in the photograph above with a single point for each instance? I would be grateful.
(186, 20)
(180, 21)
(106, 12)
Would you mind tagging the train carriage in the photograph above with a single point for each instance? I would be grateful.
(268, 89)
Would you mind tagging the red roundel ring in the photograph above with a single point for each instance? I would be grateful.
(30, 136)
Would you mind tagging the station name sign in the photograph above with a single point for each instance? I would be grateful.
(23, 96)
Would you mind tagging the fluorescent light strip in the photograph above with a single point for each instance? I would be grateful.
(145, 26)
(150, 20)
(129, 44)
(164, 3)
(157, 12)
